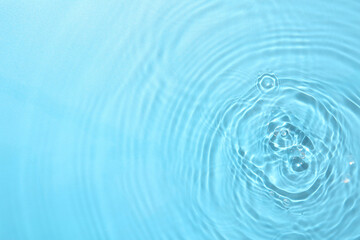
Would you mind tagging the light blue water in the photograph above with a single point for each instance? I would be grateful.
(183, 120)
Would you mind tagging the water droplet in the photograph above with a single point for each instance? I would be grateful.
(286, 202)
(284, 132)
(267, 83)
(298, 164)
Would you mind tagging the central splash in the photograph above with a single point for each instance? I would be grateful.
(289, 140)
(275, 151)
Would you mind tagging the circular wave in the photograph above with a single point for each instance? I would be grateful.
(284, 142)
(238, 132)
(293, 236)
(288, 142)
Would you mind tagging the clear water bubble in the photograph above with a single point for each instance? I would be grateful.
(267, 83)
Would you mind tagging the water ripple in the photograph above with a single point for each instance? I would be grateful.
(288, 146)
(188, 120)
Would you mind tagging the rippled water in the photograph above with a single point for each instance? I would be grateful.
(180, 120)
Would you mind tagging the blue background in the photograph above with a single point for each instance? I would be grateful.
(122, 119)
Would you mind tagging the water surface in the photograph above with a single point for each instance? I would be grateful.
(180, 120)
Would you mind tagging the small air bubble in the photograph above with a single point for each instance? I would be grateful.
(267, 83)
